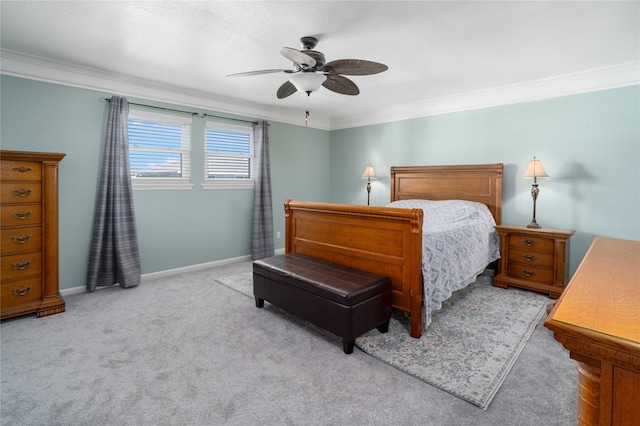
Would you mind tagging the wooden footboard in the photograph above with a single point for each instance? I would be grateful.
(384, 240)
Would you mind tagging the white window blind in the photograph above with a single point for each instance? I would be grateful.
(159, 150)
(228, 156)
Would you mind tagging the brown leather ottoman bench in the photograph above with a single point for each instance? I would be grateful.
(344, 301)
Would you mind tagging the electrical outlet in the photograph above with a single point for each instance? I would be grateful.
(278, 235)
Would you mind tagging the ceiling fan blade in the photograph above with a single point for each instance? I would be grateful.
(340, 84)
(298, 57)
(287, 89)
(250, 73)
(354, 67)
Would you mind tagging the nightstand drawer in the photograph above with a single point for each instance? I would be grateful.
(530, 257)
(531, 273)
(527, 242)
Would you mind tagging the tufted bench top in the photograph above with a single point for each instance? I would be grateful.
(341, 284)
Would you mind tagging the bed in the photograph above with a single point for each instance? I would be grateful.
(389, 240)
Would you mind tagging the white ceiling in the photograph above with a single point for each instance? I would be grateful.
(435, 50)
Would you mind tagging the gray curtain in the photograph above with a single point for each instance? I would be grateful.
(114, 256)
(262, 244)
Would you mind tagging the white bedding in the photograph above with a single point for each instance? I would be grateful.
(458, 242)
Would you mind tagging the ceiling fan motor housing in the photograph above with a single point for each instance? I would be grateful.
(308, 42)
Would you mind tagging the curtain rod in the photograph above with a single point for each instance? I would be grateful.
(196, 114)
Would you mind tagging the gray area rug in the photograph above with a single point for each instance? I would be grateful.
(470, 347)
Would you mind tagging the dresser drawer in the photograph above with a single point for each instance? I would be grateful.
(21, 170)
(527, 242)
(20, 240)
(20, 192)
(530, 273)
(17, 293)
(28, 214)
(21, 265)
(530, 257)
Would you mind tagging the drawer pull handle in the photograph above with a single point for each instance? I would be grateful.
(529, 257)
(21, 266)
(21, 239)
(21, 215)
(22, 291)
(528, 272)
(530, 243)
(21, 192)
(22, 169)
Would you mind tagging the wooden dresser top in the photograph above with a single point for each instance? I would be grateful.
(602, 300)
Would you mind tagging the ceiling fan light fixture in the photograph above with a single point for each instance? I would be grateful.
(307, 81)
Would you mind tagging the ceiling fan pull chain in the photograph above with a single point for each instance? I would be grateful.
(306, 112)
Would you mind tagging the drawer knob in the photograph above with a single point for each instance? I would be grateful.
(21, 266)
(21, 239)
(21, 192)
(529, 257)
(22, 169)
(22, 291)
(21, 215)
(530, 243)
(528, 272)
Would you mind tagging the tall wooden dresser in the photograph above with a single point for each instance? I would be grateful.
(29, 228)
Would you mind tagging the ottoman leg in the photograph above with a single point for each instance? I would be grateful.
(347, 346)
(384, 327)
(259, 303)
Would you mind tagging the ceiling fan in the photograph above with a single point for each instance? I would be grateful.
(310, 71)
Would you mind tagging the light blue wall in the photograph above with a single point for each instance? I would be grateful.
(589, 144)
(175, 228)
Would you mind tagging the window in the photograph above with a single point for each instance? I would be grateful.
(228, 157)
(159, 150)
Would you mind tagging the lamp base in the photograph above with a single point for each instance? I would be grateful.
(534, 195)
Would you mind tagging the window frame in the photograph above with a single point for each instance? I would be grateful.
(232, 183)
(166, 183)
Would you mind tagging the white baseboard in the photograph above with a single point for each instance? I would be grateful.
(169, 272)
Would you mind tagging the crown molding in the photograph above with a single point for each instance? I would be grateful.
(32, 67)
(36, 68)
(627, 74)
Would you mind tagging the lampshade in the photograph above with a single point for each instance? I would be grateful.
(307, 81)
(535, 169)
(369, 173)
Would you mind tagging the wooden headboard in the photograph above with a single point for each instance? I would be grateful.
(481, 183)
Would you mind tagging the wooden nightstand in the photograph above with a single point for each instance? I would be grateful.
(535, 259)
